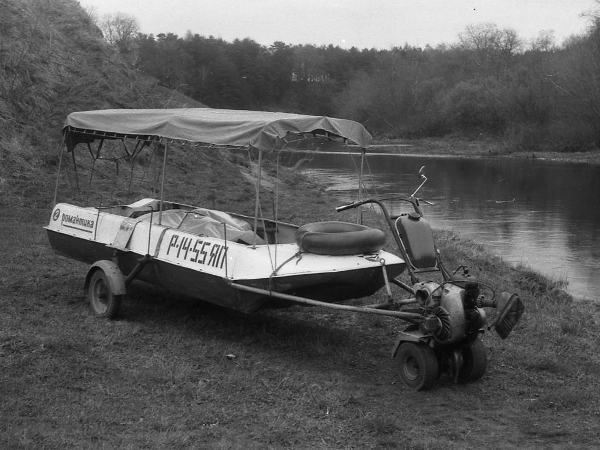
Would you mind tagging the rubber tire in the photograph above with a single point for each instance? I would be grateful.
(339, 238)
(102, 300)
(419, 366)
(474, 362)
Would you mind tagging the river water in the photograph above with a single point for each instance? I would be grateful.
(545, 215)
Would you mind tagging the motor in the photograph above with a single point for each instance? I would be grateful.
(446, 339)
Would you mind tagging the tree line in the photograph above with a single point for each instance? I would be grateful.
(537, 95)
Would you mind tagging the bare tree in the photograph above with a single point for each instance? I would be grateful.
(120, 30)
(488, 36)
(491, 47)
(92, 13)
(544, 42)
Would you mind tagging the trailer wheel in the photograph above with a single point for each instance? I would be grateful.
(103, 301)
(474, 362)
(418, 365)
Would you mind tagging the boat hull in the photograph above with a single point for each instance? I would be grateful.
(176, 257)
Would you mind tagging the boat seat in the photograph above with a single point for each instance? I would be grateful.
(145, 206)
(417, 238)
(136, 209)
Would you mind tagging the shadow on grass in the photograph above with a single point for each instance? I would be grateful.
(311, 336)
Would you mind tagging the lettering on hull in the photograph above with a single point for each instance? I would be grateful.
(74, 221)
(197, 251)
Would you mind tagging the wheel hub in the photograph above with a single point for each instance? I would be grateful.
(100, 295)
(411, 368)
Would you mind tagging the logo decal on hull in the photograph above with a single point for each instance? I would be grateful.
(56, 214)
(77, 223)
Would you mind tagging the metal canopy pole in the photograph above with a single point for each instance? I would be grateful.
(363, 153)
(62, 151)
(162, 183)
(75, 171)
(257, 204)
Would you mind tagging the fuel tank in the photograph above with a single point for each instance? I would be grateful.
(417, 238)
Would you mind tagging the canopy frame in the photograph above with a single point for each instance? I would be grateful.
(260, 129)
(263, 131)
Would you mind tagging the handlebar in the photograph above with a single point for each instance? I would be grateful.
(415, 202)
(349, 206)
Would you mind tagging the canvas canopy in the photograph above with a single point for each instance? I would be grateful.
(259, 129)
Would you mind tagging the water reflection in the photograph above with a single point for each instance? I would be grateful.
(541, 214)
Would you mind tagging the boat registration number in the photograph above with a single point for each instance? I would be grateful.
(197, 251)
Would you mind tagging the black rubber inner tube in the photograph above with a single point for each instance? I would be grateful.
(339, 238)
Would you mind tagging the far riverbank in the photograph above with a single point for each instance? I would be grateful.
(484, 148)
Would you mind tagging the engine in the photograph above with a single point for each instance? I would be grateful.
(450, 310)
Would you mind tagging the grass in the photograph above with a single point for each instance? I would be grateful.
(176, 373)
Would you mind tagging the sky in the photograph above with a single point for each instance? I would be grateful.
(380, 24)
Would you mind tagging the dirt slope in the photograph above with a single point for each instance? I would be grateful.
(53, 61)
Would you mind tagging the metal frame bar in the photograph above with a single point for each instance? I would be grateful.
(411, 317)
(363, 153)
(257, 198)
(60, 159)
(162, 183)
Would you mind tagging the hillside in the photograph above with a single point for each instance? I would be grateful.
(53, 60)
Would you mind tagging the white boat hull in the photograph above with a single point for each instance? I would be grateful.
(204, 267)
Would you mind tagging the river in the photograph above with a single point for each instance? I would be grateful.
(543, 214)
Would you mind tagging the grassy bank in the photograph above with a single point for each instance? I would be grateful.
(487, 148)
(181, 374)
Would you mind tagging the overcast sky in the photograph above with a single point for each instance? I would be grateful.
(361, 23)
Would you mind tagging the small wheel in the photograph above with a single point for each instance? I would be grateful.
(474, 362)
(102, 300)
(418, 365)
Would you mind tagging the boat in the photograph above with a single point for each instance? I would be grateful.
(246, 263)
(202, 252)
